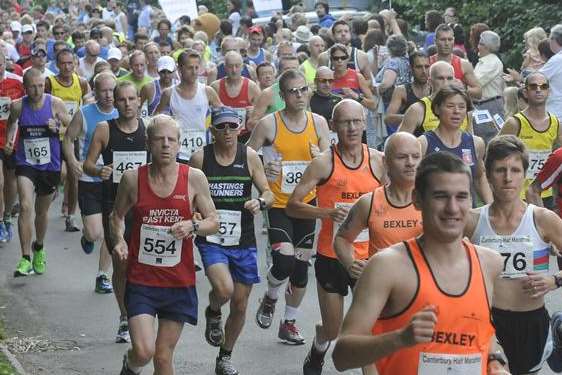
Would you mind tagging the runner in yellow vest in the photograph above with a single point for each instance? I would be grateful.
(538, 129)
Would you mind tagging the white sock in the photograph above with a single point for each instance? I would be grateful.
(291, 312)
(321, 347)
(136, 370)
(273, 286)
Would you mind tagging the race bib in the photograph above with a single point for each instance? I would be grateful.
(482, 116)
(363, 236)
(333, 138)
(537, 158)
(291, 174)
(4, 107)
(517, 253)
(449, 364)
(71, 108)
(191, 141)
(37, 151)
(126, 160)
(144, 111)
(242, 113)
(158, 247)
(230, 228)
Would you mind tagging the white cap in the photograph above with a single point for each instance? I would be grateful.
(166, 63)
(114, 53)
(15, 26)
(27, 28)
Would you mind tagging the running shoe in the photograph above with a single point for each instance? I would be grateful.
(214, 333)
(39, 259)
(123, 333)
(555, 359)
(24, 268)
(69, 225)
(3, 233)
(313, 362)
(125, 368)
(87, 246)
(224, 366)
(9, 230)
(289, 332)
(103, 285)
(264, 315)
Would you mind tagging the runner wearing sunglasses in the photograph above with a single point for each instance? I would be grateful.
(230, 256)
(538, 129)
(292, 137)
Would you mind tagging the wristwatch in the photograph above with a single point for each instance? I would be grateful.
(195, 226)
(497, 356)
(557, 280)
(263, 205)
(360, 98)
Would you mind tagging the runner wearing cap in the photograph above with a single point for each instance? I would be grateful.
(24, 46)
(114, 57)
(39, 59)
(256, 54)
(230, 256)
(150, 94)
(236, 91)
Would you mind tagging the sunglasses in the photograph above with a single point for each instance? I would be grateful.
(340, 58)
(536, 86)
(298, 90)
(224, 125)
(324, 80)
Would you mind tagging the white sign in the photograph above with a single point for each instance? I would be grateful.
(175, 9)
(267, 5)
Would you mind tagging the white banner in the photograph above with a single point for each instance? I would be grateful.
(267, 5)
(175, 9)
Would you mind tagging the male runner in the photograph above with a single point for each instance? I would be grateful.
(11, 88)
(189, 103)
(137, 75)
(539, 130)
(39, 120)
(82, 128)
(121, 143)
(69, 87)
(419, 117)
(292, 138)
(522, 234)
(230, 256)
(464, 72)
(340, 176)
(159, 252)
(406, 95)
(237, 92)
(316, 46)
(256, 54)
(421, 306)
(150, 94)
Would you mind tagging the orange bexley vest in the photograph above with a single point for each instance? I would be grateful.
(343, 188)
(390, 224)
(461, 339)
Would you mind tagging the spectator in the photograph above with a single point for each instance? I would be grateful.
(473, 40)
(433, 18)
(233, 8)
(164, 27)
(552, 69)
(325, 19)
(396, 70)
(374, 46)
(450, 15)
(532, 59)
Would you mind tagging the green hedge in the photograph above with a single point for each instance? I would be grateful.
(509, 18)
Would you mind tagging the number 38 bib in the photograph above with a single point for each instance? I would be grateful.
(158, 247)
(292, 172)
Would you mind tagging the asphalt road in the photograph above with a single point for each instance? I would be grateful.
(61, 308)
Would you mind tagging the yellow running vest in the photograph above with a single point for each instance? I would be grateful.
(539, 145)
(71, 95)
(294, 151)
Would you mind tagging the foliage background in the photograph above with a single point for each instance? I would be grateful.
(509, 18)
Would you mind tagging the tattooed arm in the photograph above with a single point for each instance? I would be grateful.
(355, 222)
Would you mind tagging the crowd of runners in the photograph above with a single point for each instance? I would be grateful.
(421, 174)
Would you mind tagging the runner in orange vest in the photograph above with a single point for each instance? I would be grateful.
(423, 306)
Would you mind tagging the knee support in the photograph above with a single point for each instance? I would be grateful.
(299, 277)
(283, 265)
